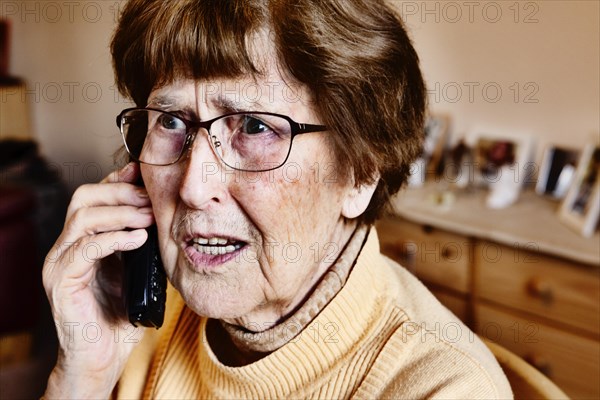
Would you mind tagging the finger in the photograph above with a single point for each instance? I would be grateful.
(129, 173)
(90, 221)
(73, 264)
(102, 194)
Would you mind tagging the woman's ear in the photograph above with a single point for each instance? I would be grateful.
(358, 198)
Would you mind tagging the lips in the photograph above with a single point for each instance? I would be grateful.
(211, 250)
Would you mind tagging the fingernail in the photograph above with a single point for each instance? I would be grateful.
(145, 210)
(141, 192)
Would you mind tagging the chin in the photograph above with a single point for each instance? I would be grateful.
(212, 298)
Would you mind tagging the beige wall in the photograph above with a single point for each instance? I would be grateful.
(528, 67)
(61, 50)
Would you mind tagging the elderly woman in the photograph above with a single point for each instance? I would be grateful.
(273, 134)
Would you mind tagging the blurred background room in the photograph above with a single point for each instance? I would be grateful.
(499, 220)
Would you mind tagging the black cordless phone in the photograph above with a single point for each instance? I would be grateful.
(145, 283)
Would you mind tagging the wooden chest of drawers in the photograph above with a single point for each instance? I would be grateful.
(544, 308)
(440, 259)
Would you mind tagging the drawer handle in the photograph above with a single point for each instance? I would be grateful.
(540, 363)
(448, 253)
(541, 289)
(402, 252)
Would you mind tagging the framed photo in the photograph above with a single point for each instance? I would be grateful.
(458, 164)
(436, 132)
(434, 141)
(557, 172)
(501, 164)
(500, 157)
(581, 207)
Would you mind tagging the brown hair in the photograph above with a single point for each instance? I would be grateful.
(354, 56)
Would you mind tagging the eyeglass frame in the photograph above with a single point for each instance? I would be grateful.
(297, 128)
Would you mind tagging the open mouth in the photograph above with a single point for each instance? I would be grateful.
(216, 246)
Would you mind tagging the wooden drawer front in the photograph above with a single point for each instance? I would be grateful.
(434, 256)
(571, 361)
(548, 287)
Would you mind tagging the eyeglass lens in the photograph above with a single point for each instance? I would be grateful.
(246, 141)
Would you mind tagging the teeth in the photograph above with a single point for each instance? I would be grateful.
(210, 241)
(216, 250)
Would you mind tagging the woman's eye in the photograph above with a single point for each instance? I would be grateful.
(252, 125)
(171, 123)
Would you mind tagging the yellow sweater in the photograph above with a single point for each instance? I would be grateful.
(382, 336)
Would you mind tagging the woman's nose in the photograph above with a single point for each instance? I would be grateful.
(204, 183)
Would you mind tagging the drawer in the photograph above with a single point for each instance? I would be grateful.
(433, 255)
(548, 287)
(569, 360)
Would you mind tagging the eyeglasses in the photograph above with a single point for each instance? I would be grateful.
(247, 141)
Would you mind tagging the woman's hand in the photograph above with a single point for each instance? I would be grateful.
(95, 342)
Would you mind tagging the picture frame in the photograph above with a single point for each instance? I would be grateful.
(557, 171)
(458, 164)
(493, 150)
(434, 141)
(501, 164)
(581, 207)
(436, 136)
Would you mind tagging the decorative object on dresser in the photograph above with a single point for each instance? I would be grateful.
(581, 207)
(434, 141)
(557, 171)
(502, 163)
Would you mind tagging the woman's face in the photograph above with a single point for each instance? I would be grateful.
(279, 230)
